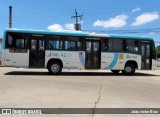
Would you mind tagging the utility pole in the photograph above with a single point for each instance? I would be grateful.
(77, 26)
(10, 16)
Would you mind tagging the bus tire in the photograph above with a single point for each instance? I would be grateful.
(115, 71)
(55, 68)
(128, 70)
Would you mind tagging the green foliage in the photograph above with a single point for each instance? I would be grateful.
(158, 51)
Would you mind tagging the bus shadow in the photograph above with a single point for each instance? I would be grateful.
(23, 73)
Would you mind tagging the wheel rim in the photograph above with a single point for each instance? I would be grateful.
(55, 68)
(128, 69)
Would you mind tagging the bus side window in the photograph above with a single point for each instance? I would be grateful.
(10, 41)
(73, 43)
(80, 44)
(107, 45)
(117, 45)
(136, 46)
(54, 43)
(20, 43)
(16, 40)
(131, 45)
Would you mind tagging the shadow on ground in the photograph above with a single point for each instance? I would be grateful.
(76, 74)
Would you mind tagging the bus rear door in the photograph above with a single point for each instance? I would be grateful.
(37, 52)
(146, 54)
(93, 54)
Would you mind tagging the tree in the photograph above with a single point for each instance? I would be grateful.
(158, 51)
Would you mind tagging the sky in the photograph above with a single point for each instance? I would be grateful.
(131, 17)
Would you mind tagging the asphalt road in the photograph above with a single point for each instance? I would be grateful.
(34, 88)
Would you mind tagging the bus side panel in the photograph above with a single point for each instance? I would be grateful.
(117, 61)
(2, 56)
(107, 60)
(16, 59)
(157, 65)
(70, 59)
(154, 64)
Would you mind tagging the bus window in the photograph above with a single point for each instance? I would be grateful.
(16, 40)
(107, 45)
(20, 43)
(131, 45)
(10, 40)
(73, 43)
(54, 43)
(79, 45)
(117, 45)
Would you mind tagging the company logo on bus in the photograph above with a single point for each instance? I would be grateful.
(50, 54)
(131, 57)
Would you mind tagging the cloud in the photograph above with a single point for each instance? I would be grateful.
(58, 27)
(69, 26)
(55, 27)
(152, 33)
(116, 22)
(136, 9)
(145, 18)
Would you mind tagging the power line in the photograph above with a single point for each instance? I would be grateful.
(155, 30)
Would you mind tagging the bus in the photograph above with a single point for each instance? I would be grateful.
(56, 51)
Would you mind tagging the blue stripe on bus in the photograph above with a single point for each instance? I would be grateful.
(74, 33)
(114, 61)
(4, 40)
(129, 37)
(68, 33)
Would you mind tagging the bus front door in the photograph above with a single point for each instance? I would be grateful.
(92, 54)
(37, 53)
(146, 59)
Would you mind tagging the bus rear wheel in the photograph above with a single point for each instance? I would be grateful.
(128, 70)
(55, 68)
(115, 71)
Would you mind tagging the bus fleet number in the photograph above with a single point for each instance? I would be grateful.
(66, 55)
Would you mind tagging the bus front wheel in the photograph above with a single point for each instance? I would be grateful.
(55, 68)
(129, 70)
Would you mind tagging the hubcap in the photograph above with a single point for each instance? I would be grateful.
(128, 69)
(55, 68)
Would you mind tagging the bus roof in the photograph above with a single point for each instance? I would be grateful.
(77, 33)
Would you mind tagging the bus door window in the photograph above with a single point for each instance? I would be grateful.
(41, 45)
(96, 52)
(33, 45)
(146, 55)
(37, 53)
(88, 45)
(33, 54)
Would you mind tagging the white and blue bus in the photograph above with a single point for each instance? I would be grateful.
(77, 50)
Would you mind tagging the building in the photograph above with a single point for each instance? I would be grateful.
(0, 43)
